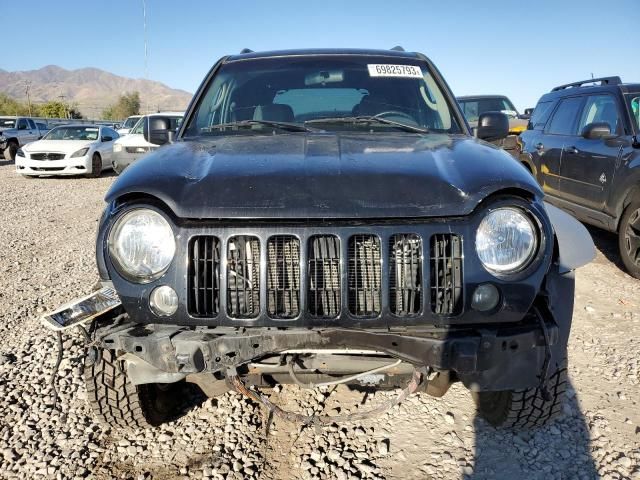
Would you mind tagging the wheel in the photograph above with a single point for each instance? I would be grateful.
(96, 166)
(521, 409)
(10, 151)
(629, 238)
(117, 402)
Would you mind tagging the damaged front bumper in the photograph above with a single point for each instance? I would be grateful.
(483, 359)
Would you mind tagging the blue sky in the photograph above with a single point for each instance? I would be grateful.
(517, 48)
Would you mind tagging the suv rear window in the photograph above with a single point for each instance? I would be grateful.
(634, 109)
(540, 116)
(564, 118)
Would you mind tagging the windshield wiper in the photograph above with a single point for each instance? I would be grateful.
(370, 119)
(291, 127)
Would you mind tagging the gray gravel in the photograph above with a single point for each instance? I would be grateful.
(47, 233)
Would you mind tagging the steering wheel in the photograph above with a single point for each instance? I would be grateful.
(395, 113)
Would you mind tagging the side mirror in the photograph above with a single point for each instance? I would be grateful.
(528, 111)
(157, 130)
(22, 127)
(596, 130)
(107, 138)
(492, 126)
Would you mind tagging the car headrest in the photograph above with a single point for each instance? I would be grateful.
(275, 112)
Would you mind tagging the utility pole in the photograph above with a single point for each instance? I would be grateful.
(146, 50)
(66, 112)
(26, 88)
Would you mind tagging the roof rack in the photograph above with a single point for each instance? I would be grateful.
(246, 50)
(398, 48)
(601, 80)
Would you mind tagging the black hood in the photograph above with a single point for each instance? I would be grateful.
(324, 175)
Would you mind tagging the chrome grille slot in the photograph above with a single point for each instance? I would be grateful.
(283, 277)
(365, 275)
(324, 276)
(204, 276)
(243, 276)
(446, 274)
(405, 274)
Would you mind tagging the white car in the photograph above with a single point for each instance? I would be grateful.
(131, 147)
(128, 124)
(68, 150)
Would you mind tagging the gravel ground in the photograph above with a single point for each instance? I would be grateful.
(47, 232)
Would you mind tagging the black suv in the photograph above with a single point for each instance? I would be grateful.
(582, 145)
(324, 217)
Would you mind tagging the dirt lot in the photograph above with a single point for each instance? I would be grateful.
(47, 230)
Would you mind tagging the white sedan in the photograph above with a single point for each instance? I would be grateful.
(68, 150)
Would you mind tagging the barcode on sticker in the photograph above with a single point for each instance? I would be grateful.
(385, 70)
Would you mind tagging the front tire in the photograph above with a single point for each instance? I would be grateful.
(119, 403)
(522, 409)
(629, 238)
(10, 151)
(96, 166)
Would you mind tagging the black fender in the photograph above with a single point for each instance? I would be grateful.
(575, 245)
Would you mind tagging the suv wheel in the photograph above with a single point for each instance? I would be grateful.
(629, 238)
(521, 409)
(118, 403)
(10, 151)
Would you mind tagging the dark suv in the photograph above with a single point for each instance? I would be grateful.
(582, 146)
(325, 217)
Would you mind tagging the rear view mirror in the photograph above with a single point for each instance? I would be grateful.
(157, 130)
(492, 126)
(596, 130)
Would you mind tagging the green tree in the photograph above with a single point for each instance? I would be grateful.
(54, 109)
(9, 106)
(127, 104)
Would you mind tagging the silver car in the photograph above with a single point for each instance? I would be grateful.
(131, 147)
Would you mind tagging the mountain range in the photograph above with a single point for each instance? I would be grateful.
(91, 90)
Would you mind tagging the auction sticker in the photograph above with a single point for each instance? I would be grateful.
(386, 70)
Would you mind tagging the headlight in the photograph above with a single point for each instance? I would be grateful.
(117, 147)
(20, 153)
(142, 245)
(506, 240)
(80, 153)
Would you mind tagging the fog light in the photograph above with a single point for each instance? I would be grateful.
(163, 301)
(485, 297)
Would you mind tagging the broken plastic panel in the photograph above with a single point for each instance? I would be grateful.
(81, 310)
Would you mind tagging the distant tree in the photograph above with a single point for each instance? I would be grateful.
(127, 104)
(54, 109)
(74, 112)
(9, 106)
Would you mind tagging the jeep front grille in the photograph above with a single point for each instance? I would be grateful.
(324, 276)
(204, 276)
(283, 277)
(446, 274)
(243, 276)
(312, 275)
(405, 274)
(365, 282)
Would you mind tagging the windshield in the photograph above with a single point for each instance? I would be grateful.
(130, 122)
(73, 133)
(7, 122)
(472, 108)
(634, 108)
(295, 90)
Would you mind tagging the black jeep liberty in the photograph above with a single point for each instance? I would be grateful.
(324, 216)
